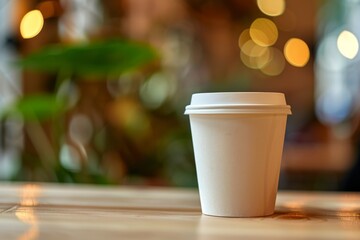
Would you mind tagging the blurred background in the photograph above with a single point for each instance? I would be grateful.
(94, 91)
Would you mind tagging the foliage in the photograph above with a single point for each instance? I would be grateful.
(111, 57)
(94, 61)
(35, 107)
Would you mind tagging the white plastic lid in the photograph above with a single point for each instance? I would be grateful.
(238, 102)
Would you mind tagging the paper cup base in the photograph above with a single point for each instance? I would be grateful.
(239, 215)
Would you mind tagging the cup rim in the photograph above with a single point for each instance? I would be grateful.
(235, 106)
(217, 111)
(207, 98)
(237, 102)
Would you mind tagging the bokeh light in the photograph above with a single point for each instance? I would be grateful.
(271, 7)
(253, 55)
(70, 158)
(297, 52)
(156, 90)
(31, 24)
(81, 129)
(244, 37)
(263, 32)
(334, 105)
(69, 93)
(329, 58)
(130, 116)
(276, 63)
(348, 44)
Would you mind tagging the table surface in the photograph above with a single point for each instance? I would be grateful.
(51, 211)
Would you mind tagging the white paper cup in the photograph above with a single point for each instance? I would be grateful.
(238, 141)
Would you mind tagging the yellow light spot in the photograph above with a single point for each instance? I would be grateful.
(244, 37)
(348, 44)
(272, 7)
(253, 55)
(276, 64)
(26, 211)
(31, 24)
(297, 52)
(263, 32)
(129, 116)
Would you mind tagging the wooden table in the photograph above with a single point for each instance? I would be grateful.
(50, 211)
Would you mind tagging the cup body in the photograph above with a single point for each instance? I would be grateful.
(238, 150)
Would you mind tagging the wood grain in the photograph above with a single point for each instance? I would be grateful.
(52, 211)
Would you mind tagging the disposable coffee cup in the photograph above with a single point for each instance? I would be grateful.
(238, 141)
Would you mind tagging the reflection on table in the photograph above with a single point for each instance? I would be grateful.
(52, 211)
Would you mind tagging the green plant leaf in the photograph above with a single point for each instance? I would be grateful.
(35, 107)
(111, 57)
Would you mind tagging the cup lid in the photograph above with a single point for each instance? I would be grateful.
(238, 102)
